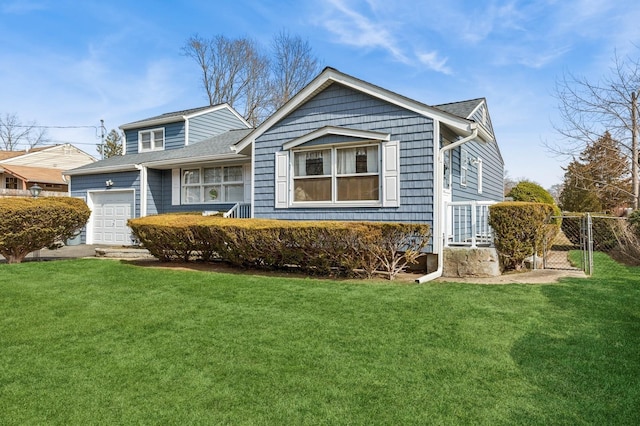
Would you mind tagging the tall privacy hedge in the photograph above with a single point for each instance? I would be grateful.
(519, 230)
(29, 224)
(318, 247)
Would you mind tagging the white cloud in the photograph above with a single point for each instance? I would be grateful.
(354, 29)
(434, 62)
(357, 29)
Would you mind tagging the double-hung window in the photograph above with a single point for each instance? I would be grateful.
(151, 140)
(337, 174)
(213, 184)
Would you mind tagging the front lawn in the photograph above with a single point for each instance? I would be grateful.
(103, 342)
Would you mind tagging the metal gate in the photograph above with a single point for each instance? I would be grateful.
(585, 233)
(560, 245)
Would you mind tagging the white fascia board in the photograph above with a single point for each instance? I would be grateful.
(330, 75)
(193, 160)
(403, 102)
(339, 131)
(151, 123)
(99, 170)
(216, 108)
(476, 108)
(30, 154)
(169, 119)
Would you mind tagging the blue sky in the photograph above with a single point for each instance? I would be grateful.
(72, 63)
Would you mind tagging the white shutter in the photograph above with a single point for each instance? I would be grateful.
(282, 180)
(175, 187)
(391, 174)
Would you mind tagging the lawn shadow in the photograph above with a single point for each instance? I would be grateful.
(582, 358)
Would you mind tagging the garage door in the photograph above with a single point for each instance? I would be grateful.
(111, 210)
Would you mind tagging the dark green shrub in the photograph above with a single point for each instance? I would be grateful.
(519, 229)
(319, 247)
(29, 224)
(530, 192)
(533, 193)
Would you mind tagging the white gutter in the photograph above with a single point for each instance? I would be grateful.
(438, 234)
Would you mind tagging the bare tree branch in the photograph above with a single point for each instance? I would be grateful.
(588, 110)
(14, 133)
(236, 71)
(293, 66)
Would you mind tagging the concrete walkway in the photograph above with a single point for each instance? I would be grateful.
(538, 276)
(86, 250)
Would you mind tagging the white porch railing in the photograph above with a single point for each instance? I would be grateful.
(239, 211)
(467, 224)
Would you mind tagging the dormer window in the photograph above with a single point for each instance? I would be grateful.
(151, 140)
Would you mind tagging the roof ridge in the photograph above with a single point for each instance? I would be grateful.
(460, 102)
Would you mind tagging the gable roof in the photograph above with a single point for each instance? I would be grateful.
(183, 115)
(214, 148)
(35, 174)
(330, 76)
(462, 109)
(4, 155)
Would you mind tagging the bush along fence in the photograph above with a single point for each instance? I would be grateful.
(534, 231)
(319, 247)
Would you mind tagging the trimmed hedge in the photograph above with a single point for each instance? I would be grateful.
(519, 230)
(530, 192)
(318, 247)
(29, 224)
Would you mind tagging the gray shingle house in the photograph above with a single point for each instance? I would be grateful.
(340, 149)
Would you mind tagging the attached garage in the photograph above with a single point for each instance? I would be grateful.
(110, 211)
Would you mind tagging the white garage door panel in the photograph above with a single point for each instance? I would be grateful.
(111, 210)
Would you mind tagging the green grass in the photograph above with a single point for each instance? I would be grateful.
(102, 342)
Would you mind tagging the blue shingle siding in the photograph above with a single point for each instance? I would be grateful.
(173, 136)
(81, 184)
(492, 173)
(481, 116)
(154, 191)
(341, 106)
(213, 123)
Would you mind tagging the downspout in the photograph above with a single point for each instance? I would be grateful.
(143, 189)
(438, 243)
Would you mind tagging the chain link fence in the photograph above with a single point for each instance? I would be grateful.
(580, 235)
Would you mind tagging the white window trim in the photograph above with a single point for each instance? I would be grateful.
(464, 166)
(479, 162)
(152, 132)
(388, 177)
(202, 184)
(334, 177)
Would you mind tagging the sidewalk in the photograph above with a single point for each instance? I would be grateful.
(85, 250)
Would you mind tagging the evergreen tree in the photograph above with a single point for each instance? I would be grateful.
(112, 145)
(599, 180)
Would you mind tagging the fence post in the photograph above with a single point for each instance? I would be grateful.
(589, 264)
